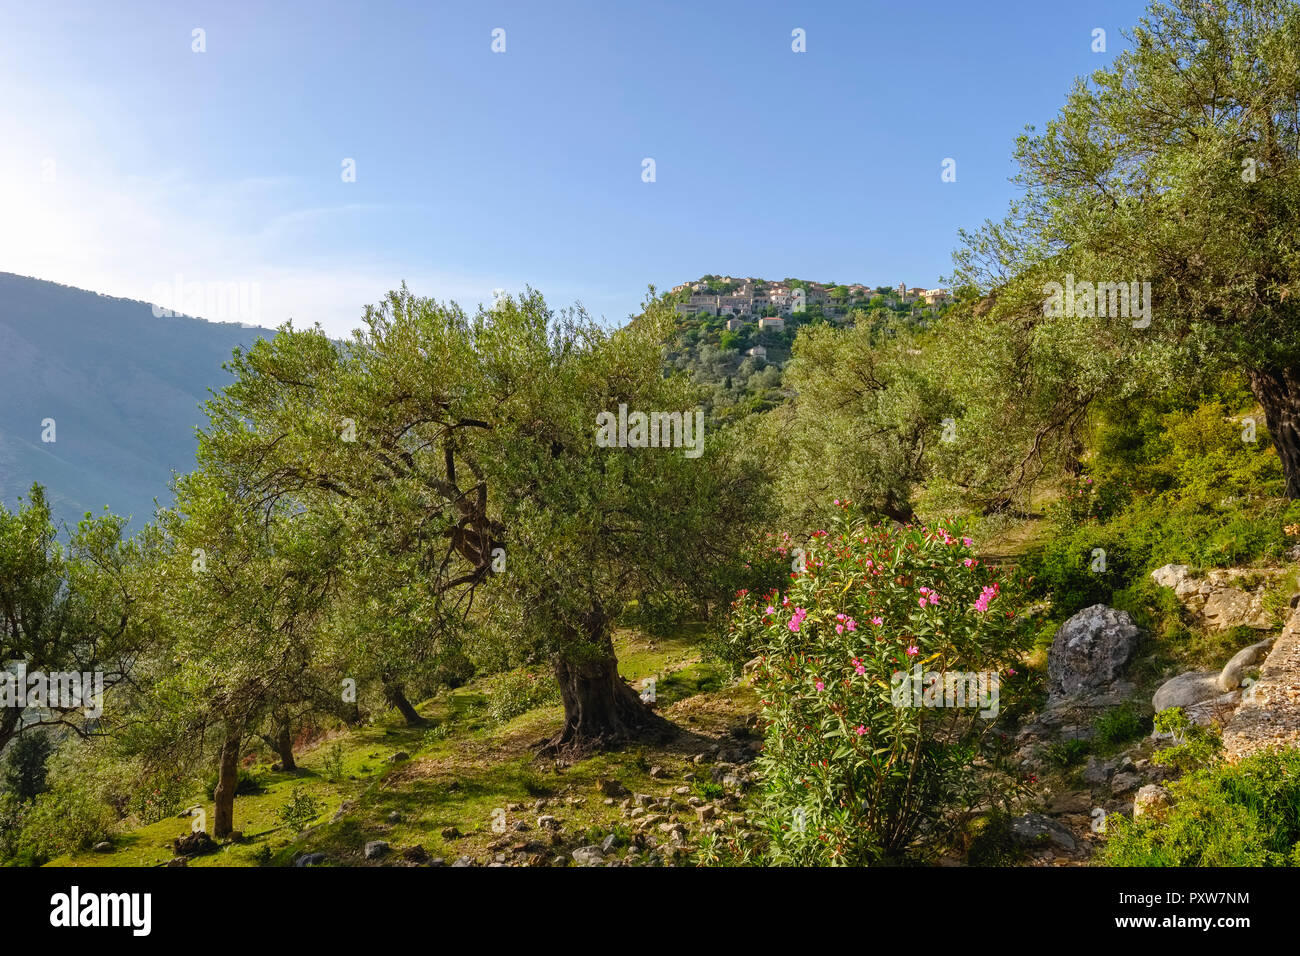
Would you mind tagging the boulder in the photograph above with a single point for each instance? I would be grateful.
(1089, 651)
(1246, 658)
(375, 849)
(1186, 690)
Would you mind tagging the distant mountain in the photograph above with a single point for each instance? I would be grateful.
(122, 386)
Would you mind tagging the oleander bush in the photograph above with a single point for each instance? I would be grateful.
(855, 775)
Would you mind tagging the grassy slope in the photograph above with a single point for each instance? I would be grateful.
(461, 767)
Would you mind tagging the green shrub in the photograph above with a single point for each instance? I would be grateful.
(1119, 725)
(1066, 753)
(850, 777)
(63, 820)
(332, 764)
(160, 797)
(1244, 814)
(1194, 746)
(301, 809)
(519, 691)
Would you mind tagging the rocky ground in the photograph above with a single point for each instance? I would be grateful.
(1254, 698)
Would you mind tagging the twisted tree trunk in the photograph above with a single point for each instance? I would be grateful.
(223, 798)
(601, 710)
(1277, 389)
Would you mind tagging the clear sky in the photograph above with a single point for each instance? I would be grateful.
(127, 159)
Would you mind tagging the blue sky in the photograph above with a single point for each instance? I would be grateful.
(127, 159)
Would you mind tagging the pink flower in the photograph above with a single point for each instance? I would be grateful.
(913, 651)
(861, 730)
(839, 628)
(877, 621)
(770, 610)
(821, 686)
(968, 542)
(969, 562)
(987, 594)
(851, 624)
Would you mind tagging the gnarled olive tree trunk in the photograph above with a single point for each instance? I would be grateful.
(223, 798)
(1277, 389)
(601, 709)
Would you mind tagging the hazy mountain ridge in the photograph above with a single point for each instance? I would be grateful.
(123, 387)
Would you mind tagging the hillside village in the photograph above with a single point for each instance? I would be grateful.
(735, 334)
(761, 299)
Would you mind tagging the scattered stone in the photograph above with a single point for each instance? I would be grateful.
(375, 849)
(682, 791)
(309, 859)
(415, 854)
(1034, 829)
(705, 813)
(179, 861)
(1150, 798)
(658, 773)
(395, 817)
(559, 861)
(438, 861)
(548, 822)
(103, 847)
(1098, 771)
(611, 788)
(194, 844)
(463, 861)
(588, 855)
(608, 844)
(399, 757)
(1124, 782)
(451, 833)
